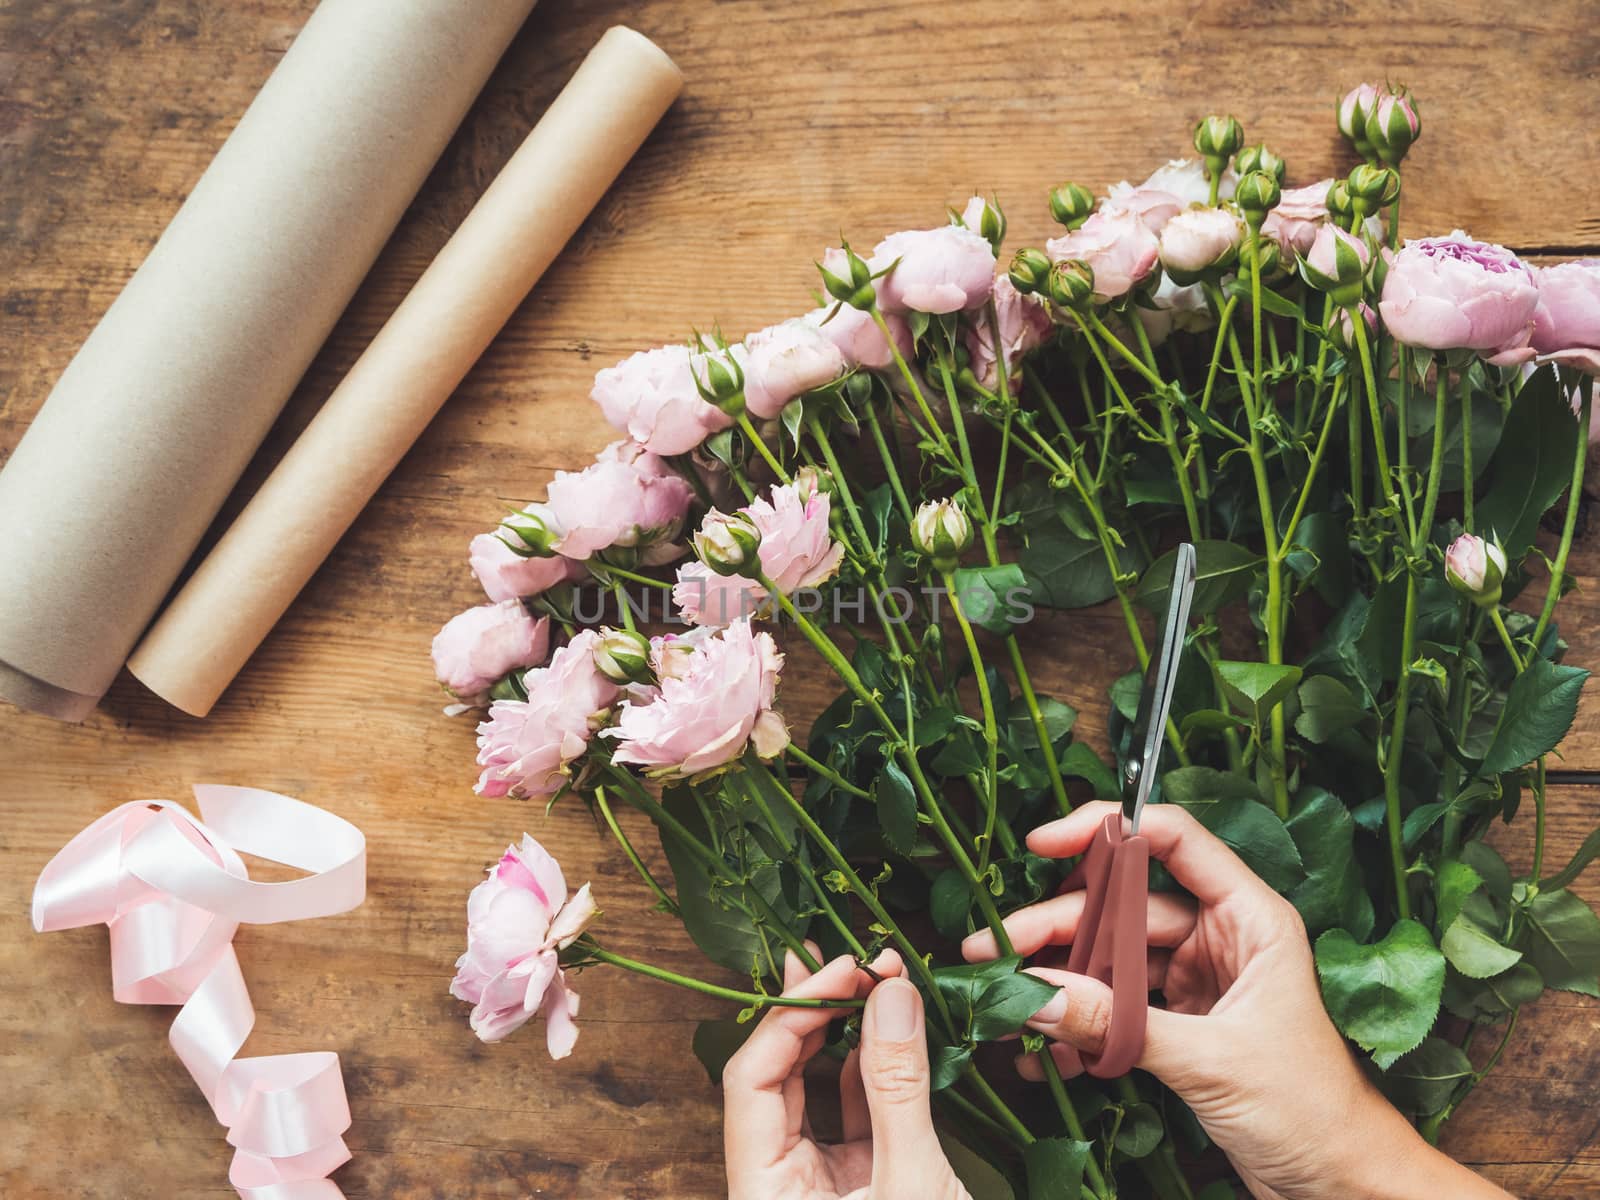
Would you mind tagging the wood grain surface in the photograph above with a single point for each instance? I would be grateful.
(800, 119)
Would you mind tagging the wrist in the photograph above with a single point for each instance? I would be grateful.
(1390, 1160)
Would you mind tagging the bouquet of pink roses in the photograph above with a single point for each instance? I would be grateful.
(1361, 437)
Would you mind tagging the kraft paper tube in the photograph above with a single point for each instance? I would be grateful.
(154, 420)
(441, 328)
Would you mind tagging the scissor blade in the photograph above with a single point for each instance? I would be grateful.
(1155, 703)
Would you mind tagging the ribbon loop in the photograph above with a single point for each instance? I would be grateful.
(173, 891)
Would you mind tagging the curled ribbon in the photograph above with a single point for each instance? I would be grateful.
(173, 891)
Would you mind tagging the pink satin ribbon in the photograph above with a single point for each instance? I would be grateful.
(173, 891)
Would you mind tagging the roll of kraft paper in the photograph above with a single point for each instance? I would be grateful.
(154, 420)
(467, 294)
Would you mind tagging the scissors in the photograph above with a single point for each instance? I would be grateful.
(1111, 944)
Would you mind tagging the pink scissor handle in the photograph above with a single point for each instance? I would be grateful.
(1111, 941)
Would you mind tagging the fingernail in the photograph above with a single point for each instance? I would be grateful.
(894, 1010)
(1052, 1013)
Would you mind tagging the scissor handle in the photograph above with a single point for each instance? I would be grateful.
(1111, 944)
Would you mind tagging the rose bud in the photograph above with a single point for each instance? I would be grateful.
(1071, 204)
(1475, 568)
(854, 285)
(530, 533)
(1342, 329)
(941, 531)
(719, 376)
(1338, 200)
(1071, 283)
(809, 482)
(1218, 139)
(1336, 264)
(1200, 242)
(1257, 192)
(1029, 271)
(1392, 125)
(1259, 158)
(728, 545)
(984, 218)
(1372, 187)
(1353, 110)
(623, 656)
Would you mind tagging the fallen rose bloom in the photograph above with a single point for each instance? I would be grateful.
(507, 575)
(941, 270)
(788, 359)
(1454, 293)
(519, 919)
(1118, 247)
(708, 710)
(652, 397)
(1566, 323)
(527, 746)
(1024, 323)
(478, 648)
(628, 497)
(1300, 212)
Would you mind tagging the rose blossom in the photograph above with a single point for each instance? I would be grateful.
(1169, 190)
(526, 746)
(1566, 325)
(1198, 239)
(785, 360)
(1299, 213)
(1023, 322)
(518, 921)
(1453, 293)
(1118, 247)
(858, 337)
(939, 270)
(704, 716)
(628, 497)
(797, 551)
(506, 575)
(651, 396)
(478, 648)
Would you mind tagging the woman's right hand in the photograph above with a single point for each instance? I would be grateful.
(1244, 1039)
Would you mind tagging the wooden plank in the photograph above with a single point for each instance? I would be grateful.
(872, 119)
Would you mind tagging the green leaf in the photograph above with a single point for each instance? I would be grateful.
(715, 1042)
(1223, 571)
(1474, 952)
(1422, 1081)
(1064, 570)
(1140, 1131)
(1219, 1189)
(1531, 467)
(1255, 687)
(1058, 721)
(957, 757)
(1568, 874)
(1452, 884)
(897, 808)
(1327, 707)
(991, 597)
(1079, 761)
(949, 901)
(1230, 807)
(1333, 892)
(963, 985)
(948, 1063)
(1055, 1167)
(1007, 1003)
(1491, 999)
(1490, 867)
(1383, 996)
(1539, 710)
(980, 1179)
(1561, 937)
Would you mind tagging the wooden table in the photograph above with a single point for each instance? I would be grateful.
(800, 119)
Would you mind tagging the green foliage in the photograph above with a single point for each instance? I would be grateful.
(1383, 996)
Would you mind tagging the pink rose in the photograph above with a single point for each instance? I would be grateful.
(1118, 247)
(628, 497)
(797, 551)
(1175, 307)
(1169, 190)
(1300, 212)
(526, 746)
(785, 360)
(1198, 239)
(651, 396)
(506, 575)
(1453, 293)
(941, 270)
(1023, 322)
(705, 716)
(1151, 205)
(1566, 325)
(478, 648)
(518, 921)
(858, 337)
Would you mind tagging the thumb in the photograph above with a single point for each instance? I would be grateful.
(1080, 1016)
(906, 1155)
